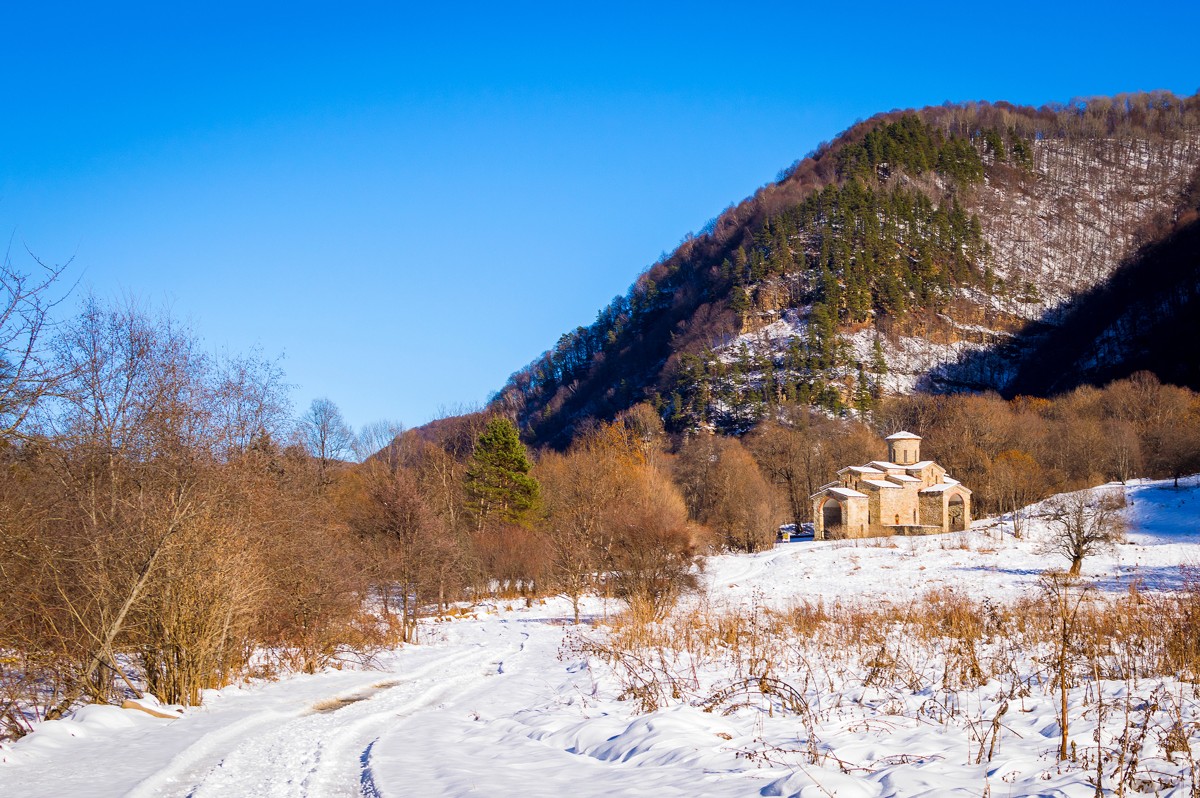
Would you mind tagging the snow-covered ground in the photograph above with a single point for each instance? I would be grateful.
(504, 703)
(1164, 533)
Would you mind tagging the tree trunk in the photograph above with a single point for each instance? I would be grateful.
(109, 635)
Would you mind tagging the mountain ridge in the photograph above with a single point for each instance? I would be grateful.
(916, 236)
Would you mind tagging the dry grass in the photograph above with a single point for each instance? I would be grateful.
(819, 657)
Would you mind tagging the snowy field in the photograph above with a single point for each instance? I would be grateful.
(509, 702)
(1164, 533)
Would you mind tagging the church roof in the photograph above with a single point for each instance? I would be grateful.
(942, 487)
(880, 483)
(846, 493)
(861, 470)
(903, 436)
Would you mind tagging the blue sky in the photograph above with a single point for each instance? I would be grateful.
(410, 203)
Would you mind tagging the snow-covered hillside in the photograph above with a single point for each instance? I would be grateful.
(1053, 233)
(514, 701)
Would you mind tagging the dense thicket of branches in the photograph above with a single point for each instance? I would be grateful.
(155, 530)
(868, 226)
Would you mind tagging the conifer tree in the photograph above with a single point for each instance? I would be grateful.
(864, 401)
(878, 361)
(499, 487)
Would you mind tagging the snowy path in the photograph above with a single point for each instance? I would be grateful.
(266, 741)
(489, 710)
(478, 745)
(318, 753)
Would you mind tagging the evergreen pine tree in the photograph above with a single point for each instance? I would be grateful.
(498, 483)
(995, 144)
(864, 402)
(878, 361)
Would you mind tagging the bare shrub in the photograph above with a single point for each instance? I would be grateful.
(1084, 523)
(513, 557)
(163, 535)
(412, 552)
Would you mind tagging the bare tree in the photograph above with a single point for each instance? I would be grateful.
(726, 492)
(1084, 523)
(575, 500)
(255, 407)
(652, 544)
(1125, 450)
(584, 495)
(613, 517)
(1015, 479)
(780, 451)
(803, 450)
(146, 529)
(325, 435)
(26, 372)
(376, 437)
(408, 540)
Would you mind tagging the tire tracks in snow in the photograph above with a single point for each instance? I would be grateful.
(310, 753)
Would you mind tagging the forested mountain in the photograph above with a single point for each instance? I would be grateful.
(968, 246)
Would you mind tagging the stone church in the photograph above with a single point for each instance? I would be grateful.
(904, 495)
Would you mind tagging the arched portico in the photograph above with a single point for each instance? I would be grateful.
(833, 518)
(958, 511)
(839, 512)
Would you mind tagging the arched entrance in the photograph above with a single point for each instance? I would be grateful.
(956, 513)
(833, 518)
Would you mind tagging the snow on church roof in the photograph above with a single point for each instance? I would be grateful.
(846, 493)
(862, 470)
(903, 436)
(880, 483)
(942, 487)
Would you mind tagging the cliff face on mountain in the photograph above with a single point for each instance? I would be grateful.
(979, 246)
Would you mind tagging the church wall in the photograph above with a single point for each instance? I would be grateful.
(892, 505)
(932, 510)
(857, 518)
(873, 503)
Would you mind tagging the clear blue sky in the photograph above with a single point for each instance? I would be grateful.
(411, 202)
